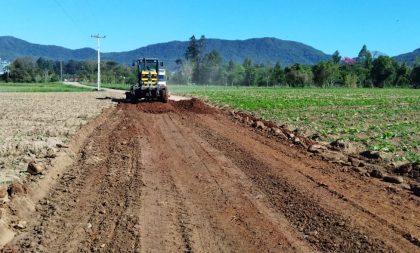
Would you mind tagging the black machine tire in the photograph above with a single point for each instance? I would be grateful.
(164, 96)
(130, 97)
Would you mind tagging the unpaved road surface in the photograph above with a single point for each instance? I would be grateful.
(183, 177)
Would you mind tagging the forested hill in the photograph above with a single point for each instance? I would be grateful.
(260, 50)
(12, 48)
(409, 58)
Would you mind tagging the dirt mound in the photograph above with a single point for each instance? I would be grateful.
(193, 105)
(154, 107)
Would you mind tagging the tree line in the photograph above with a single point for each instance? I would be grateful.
(28, 70)
(362, 71)
(198, 67)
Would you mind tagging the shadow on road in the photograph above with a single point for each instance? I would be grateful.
(105, 98)
(128, 101)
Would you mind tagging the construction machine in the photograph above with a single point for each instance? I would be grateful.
(151, 81)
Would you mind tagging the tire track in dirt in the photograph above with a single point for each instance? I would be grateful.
(362, 209)
(116, 213)
(320, 227)
(219, 218)
(196, 230)
(103, 196)
(389, 222)
(214, 172)
(63, 215)
(163, 219)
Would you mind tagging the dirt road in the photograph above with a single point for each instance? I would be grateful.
(183, 177)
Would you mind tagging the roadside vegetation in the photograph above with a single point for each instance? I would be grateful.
(384, 120)
(40, 87)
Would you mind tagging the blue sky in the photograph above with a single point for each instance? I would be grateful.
(389, 26)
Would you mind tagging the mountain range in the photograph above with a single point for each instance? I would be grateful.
(260, 50)
(12, 48)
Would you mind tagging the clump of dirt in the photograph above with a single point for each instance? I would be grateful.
(193, 105)
(156, 107)
(271, 128)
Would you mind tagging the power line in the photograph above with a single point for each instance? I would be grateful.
(98, 38)
(69, 17)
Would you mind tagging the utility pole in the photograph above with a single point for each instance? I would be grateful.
(98, 37)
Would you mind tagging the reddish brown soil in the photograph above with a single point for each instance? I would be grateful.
(185, 177)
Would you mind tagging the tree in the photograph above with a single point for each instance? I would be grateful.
(235, 73)
(364, 54)
(71, 67)
(262, 76)
(193, 51)
(201, 45)
(415, 77)
(277, 75)
(298, 75)
(44, 64)
(46, 69)
(350, 80)
(187, 70)
(178, 63)
(24, 70)
(363, 68)
(403, 75)
(249, 77)
(336, 58)
(193, 54)
(383, 71)
(230, 68)
(325, 73)
(210, 68)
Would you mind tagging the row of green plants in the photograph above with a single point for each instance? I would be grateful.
(376, 119)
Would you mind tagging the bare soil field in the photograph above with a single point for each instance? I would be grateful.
(184, 177)
(35, 126)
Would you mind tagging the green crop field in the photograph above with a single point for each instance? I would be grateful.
(39, 87)
(386, 120)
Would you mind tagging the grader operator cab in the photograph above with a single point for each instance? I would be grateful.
(151, 82)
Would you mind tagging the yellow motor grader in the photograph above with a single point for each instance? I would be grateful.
(151, 83)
